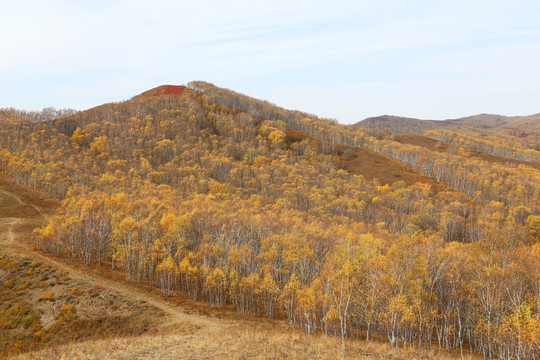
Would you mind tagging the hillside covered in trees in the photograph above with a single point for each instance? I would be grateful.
(427, 240)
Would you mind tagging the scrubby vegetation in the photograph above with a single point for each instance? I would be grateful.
(41, 306)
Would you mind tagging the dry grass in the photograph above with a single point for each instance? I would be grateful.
(241, 341)
(372, 165)
(42, 306)
(10, 206)
(423, 141)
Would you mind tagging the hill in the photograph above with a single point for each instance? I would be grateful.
(524, 124)
(481, 121)
(519, 125)
(53, 308)
(398, 125)
(163, 90)
(275, 215)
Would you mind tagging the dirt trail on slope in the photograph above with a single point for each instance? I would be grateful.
(126, 289)
(19, 200)
(9, 236)
(16, 231)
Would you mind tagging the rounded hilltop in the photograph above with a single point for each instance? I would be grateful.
(165, 90)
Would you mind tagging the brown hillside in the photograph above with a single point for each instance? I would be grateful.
(15, 206)
(398, 124)
(371, 165)
(525, 124)
(401, 125)
(423, 141)
(482, 121)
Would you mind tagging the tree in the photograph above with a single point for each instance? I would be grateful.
(167, 272)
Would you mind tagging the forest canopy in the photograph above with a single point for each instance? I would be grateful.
(236, 201)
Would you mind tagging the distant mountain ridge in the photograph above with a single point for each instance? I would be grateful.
(509, 124)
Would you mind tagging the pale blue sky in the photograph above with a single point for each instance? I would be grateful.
(346, 60)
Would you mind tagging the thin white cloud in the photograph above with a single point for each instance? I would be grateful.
(407, 58)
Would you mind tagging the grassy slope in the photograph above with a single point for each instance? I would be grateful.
(528, 124)
(44, 306)
(372, 165)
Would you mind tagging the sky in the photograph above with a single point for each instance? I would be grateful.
(345, 60)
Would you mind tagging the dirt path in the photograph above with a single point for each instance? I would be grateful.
(9, 237)
(125, 288)
(14, 235)
(19, 200)
(13, 196)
